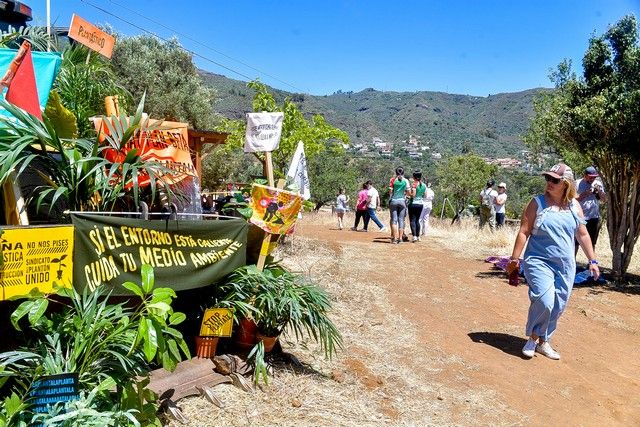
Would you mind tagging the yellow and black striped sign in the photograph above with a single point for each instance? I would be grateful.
(35, 257)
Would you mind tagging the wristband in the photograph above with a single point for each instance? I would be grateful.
(593, 261)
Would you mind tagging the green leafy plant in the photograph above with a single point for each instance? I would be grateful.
(107, 345)
(285, 301)
(288, 301)
(75, 171)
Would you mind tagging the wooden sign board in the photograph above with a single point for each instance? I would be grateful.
(91, 36)
(35, 257)
(217, 322)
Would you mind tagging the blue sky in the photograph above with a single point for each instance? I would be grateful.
(469, 47)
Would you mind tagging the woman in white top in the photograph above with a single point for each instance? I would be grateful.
(426, 210)
(341, 206)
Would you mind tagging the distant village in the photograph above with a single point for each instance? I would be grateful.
(417, 150)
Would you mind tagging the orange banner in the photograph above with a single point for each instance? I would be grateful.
(91, 36)
(166, 142)
(274, 210)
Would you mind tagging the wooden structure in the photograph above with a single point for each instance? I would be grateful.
(198, 139)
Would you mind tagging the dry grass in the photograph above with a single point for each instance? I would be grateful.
(366, 384)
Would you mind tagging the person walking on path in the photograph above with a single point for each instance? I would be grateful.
(590, 194)
(341, 207)
(398, 188)
(416, 204)
(549, 223)
(426, 209)
(487, 205)
(361, 209)
(500, 207)
(373, 202)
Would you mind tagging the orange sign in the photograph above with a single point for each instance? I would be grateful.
(91, 36)
(167, 143)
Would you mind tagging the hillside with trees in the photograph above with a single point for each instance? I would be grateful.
(449, 124)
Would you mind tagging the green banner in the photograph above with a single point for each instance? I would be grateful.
(184, 254)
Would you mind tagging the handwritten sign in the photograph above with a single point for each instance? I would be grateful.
(35, 257)
(217, 322)
(91, 36)
(263, 131)
(167, 143)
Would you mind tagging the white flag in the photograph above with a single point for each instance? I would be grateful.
(298, 171)
(263, 131)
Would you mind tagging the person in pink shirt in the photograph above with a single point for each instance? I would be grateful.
(361, 208)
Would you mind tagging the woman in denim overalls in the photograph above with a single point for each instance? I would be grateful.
(550, 222)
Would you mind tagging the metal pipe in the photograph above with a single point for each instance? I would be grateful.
(150, 213)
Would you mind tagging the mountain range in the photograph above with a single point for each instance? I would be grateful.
(490, 126)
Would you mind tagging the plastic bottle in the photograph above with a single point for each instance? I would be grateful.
(514, 276)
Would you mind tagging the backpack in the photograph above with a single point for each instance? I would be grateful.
(486, 198)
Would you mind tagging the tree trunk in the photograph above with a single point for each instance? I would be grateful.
(621, 178)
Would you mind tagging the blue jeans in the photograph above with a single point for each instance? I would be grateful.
(372, 215)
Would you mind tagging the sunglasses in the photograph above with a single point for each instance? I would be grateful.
(552, 179)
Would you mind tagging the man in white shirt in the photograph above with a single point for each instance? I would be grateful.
(487, 205)
(590, 194)
(373, 202)
(501, 199)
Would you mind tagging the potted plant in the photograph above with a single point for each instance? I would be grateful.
(229, 294)
(283, 300)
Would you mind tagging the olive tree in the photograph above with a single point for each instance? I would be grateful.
(598, 114)
(166, 73)
(315, 133)
(461, 178)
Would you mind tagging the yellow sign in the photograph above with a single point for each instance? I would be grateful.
(91, 36)
(274, 209)
(35, 257)
(217, 322)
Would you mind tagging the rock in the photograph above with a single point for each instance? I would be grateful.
(296, 403)
(337, 376)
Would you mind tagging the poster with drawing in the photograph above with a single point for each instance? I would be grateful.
(274, 210)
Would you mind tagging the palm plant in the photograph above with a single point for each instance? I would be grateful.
(288, 301)
(83, 82)
(75, 170)
(37, 36)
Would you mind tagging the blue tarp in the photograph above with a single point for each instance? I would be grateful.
(46, 66)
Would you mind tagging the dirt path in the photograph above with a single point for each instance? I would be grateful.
(471, 326)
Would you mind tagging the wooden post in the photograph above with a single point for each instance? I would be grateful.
(266, 242)
(111, 105)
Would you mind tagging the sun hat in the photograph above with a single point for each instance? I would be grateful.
(560, 171)
(591, 171)
(502, 185)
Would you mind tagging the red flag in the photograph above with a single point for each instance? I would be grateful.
(21, 81)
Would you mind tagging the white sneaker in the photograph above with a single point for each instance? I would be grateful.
(383, 229)
(529, 348)
(546, 350)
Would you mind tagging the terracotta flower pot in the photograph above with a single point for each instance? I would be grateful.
(206, 347)
(245, 334)
(268, 342)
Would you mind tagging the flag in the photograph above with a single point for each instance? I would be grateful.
(21, 81)
(274, 210)
(298, 171)
(263, 131)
